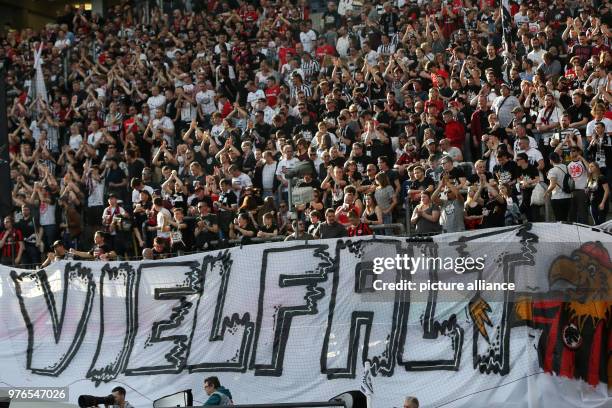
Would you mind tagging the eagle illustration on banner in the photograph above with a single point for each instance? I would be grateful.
(576, 338)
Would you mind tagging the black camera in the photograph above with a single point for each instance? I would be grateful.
(91, 401)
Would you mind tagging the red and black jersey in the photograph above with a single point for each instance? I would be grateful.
(10, 248)
(570, 348)
(359, 230)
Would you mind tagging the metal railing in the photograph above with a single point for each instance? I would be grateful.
(398, 230)
(287, 405)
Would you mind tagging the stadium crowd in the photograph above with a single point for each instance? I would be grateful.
(172, 130)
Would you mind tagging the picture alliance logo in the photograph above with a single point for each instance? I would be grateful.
(407, 263)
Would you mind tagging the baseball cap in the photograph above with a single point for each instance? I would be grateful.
(57, 243)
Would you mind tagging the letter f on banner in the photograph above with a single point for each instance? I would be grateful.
(37, 299)
(277, 308)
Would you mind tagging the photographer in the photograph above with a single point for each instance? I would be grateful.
(114, 400)
(120, 401)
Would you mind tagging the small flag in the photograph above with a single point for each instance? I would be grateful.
(507, 38)
(506, 21)
(40, 88)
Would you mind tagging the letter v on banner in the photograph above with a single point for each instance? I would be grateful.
(76, 305)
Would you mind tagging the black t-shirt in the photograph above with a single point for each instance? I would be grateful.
(475, 179)
(346, 133)
(305, 131)
(27, 228)
(248, 227)
(377, 91)
(495, 63)
(383, 117)
(228, 198)
(595, 189)
(506, 173)
(495, 214)
(362, 162)
(160, 255)
(578, 113)
(269, 230)
(565, 100)
(99, 250)
(115, 175)
(525, 120)
(379, 148)
(178, 200)
(337, 193)
(418, 185)
(330, 117)
(207, 162)
(135, 168)
(171, 108)
(209, 219)
(191, 182)
(601, 151)
(338, 161)
(186, 231)
(263, 129)
(455, 174)
(393, 176)
(422, 185)
(313, 183)
(529, 173)
(368, 182)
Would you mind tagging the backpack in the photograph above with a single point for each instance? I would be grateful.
(225, 400)
(568, 184)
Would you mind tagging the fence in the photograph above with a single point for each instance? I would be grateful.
(398, 229)
(287, 405)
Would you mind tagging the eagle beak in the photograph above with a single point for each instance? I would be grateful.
(563, 275)
(563, 268)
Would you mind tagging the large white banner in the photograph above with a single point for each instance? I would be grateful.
(303, 321)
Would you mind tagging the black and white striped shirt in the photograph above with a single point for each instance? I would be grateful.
(304, 88)
(386, 50)
(310, 68)
(395, 39)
